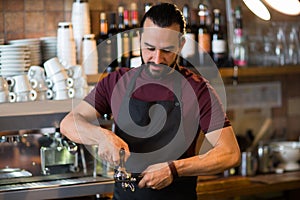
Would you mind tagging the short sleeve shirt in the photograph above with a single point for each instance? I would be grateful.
(196, 91)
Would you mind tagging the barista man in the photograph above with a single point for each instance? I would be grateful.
(158, 95)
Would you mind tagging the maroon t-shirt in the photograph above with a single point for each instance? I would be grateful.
(198, 97)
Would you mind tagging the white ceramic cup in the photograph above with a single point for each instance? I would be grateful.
(59, 76)
(49, 83)
(26, 96)
(49, 94)
(44, 95)
(64, 94)
(61, 85)
(53, 66)
(12, 97)
(36, 72)
(80, 82)
(34, 83)
(76, 71)
(19, 83)
(80, 93)
(39, 85)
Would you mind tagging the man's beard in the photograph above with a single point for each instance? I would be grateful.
(161, 73)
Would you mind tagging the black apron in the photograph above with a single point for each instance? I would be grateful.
(181, 188)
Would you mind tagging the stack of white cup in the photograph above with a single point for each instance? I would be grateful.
(20, 85)
(5, 95)
(58, 80)
(80, 81)
(89, 54)
(37, 78)
(81, 24)
(66, 48)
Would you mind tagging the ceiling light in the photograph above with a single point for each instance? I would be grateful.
(258, 8)
(288, 7)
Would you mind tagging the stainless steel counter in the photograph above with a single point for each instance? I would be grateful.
(63, 188)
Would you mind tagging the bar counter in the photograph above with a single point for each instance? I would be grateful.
(209, 187)
(237, 186)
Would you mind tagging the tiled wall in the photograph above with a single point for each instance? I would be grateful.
(37, 18)
(32, 18)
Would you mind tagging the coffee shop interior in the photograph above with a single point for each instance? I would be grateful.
(258, 80)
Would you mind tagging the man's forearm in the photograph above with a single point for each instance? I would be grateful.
(79, 130)
(225, 154)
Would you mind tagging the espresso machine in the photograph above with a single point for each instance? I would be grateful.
(47, 160)
(37, 154)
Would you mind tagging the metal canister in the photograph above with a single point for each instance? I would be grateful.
(249, 164)
(264, 159)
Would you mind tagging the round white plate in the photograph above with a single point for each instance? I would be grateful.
(13, 47)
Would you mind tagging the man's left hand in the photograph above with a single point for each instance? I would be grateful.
(156, 176)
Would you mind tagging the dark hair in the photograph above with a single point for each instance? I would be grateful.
(164, 15)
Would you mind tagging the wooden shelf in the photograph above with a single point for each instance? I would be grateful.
(228, 72)
(261, 71)
(93, 79)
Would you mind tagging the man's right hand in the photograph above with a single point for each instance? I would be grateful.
(109, 147)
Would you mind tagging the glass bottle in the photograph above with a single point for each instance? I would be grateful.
(280, 46)
(103, 27)
(135, 59)
(103, 44)
(218, 41)
(123, 42)
(240, 50)
(293, 47)
(204, 41)
(112, 42)
(188, 50)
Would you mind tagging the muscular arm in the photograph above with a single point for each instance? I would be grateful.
(78, 127)
(224, 154)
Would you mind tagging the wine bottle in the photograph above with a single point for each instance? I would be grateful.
(204, 41)
(112, 41)
(188, 50)
(240, 51)
(218, 42)
(103, 44)
(123, 42)
(135, 54)
(103, 27)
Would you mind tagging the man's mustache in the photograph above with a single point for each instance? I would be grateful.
(156, 65)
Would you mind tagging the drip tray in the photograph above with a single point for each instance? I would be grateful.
(52, 183)
(15, 174)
